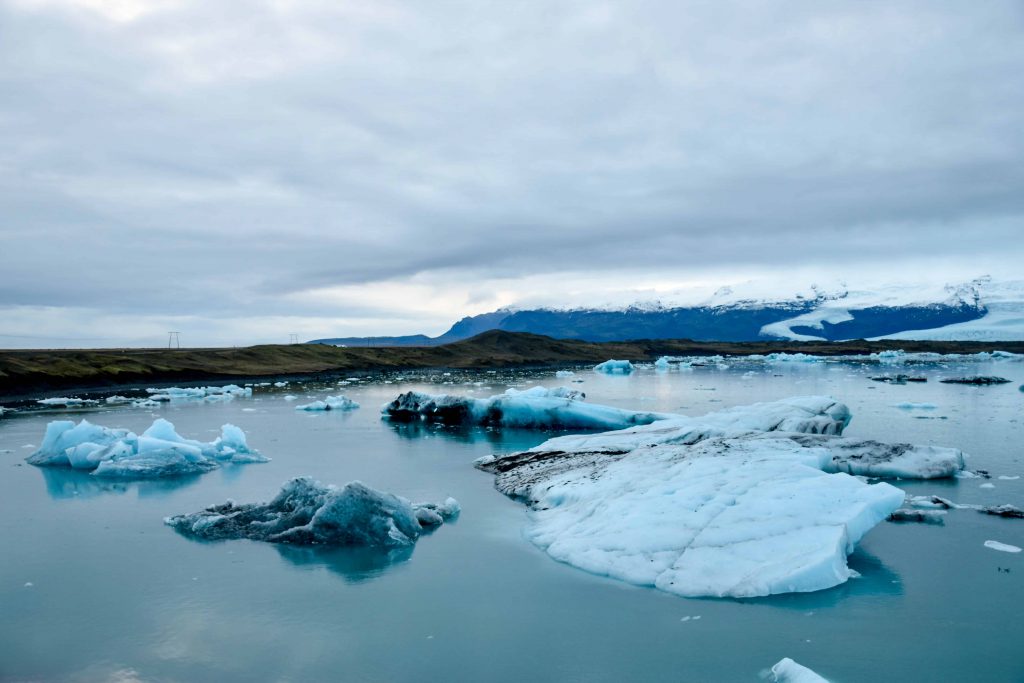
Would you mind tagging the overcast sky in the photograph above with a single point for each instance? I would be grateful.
(242, 171)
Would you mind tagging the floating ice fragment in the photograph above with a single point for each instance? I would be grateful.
(614, 367)
(306, 512)
(158, 452)
(788, 671)
(1002, 547)
(536, 408)
(339, 402)
(66, 401)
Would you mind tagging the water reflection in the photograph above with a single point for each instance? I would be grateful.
(64, 483)
(353, 565)
(501, 439)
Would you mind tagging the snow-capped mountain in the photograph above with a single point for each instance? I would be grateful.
(981, 309)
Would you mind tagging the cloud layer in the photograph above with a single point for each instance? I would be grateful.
(243, 171)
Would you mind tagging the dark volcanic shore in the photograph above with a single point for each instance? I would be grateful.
(25, 373)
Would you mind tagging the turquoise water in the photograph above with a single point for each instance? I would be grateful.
(116, 595)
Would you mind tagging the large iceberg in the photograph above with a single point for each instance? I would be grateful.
(536, 408)
(159, 452)
(745, 502)
(306, 512)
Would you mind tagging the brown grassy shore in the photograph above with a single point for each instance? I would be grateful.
(28, 373)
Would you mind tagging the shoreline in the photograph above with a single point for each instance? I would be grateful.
(28, 374)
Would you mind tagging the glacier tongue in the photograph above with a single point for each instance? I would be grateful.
(746, 502)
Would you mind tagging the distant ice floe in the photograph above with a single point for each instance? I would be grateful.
(562, 374)
(536, 408)
(305, 512)
(224, 393)
(762, 498)
(339, 402)
(1002, 547)
(909, 405)
(159, 452)
(788, 671)
(614, 367)
(66, 401)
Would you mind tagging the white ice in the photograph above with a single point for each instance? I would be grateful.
(339, 402)
(159, 451)
(224, 393)
(66, 401)
(614, 367)
(749, 501)
(1002, 547)
(788, 671)
(536, 408)
(562, 374)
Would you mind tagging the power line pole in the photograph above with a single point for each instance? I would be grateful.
(293, 339)
(173, 340)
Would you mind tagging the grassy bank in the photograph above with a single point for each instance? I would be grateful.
(30, 372)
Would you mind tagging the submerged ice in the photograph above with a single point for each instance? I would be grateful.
(749, 501)
(158, 452)
(536, 408)
(305, 512)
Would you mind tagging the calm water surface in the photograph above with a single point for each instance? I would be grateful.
(94, 587)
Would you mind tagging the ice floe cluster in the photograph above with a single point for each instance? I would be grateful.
(745, 502)
(339, 402)
(536, 408)
(305, 512)
(224, 393)
(158, 452)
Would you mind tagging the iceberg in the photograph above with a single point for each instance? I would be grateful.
(745, 502)
(536, 408)
(305, 512)
(788, 671)
(118, 453)
(562, 374)
(662, 363)
(614, 367)
(330, 403)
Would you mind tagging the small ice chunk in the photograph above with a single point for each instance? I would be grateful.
(907, 405)
(1002, 547)
(920, 516)
(614, 367)
(788, 671)
(1011, 511)
(562, 374)
(339, 402)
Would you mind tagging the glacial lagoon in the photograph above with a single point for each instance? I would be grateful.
(94, 586)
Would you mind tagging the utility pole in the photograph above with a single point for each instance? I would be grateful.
(173, 340)
(293, 339)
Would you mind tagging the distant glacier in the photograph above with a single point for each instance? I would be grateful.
(980, 310)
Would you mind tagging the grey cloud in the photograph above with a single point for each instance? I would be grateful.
(216, 160)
